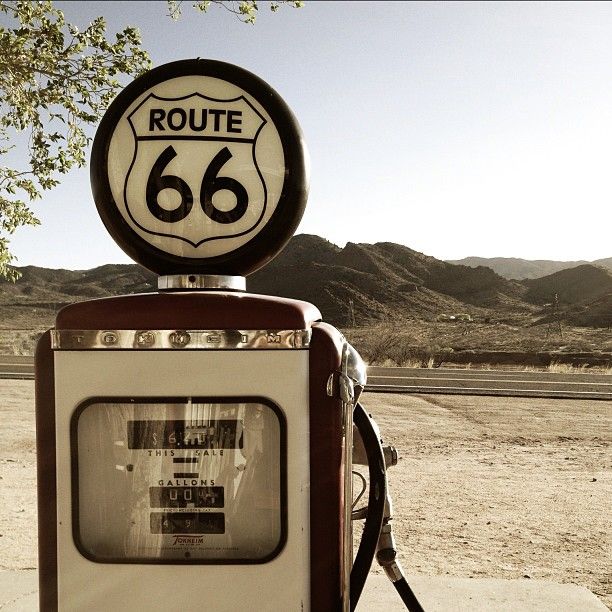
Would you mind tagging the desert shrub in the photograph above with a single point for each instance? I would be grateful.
(18, 342)
(566, 368)
(376, 345)
(390, 345)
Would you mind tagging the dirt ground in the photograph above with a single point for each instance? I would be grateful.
(485, 487)
(501, 487)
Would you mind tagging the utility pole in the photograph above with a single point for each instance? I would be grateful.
(352, 313)
(554, 325)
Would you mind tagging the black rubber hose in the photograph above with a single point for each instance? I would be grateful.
(408, 596)
(376, 503)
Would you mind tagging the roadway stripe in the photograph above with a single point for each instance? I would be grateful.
(25, 364)
(494, 380)
(476, 374)
(536, 393)
(16, 375)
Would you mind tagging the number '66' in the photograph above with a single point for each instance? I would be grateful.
(211, 183)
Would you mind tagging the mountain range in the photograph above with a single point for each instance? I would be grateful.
(357, 285)
(515, 268)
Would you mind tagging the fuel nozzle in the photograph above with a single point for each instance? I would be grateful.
(386, 550)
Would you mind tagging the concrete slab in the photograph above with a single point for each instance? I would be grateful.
(18, 590)
(19, 593)
(449, 594)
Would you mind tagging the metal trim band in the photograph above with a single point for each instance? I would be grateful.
(179, 339)
(201, 281)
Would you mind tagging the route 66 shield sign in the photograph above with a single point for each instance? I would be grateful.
(199, 166)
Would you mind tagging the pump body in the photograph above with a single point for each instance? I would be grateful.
(191, 449)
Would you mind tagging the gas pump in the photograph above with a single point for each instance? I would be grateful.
(195, 446)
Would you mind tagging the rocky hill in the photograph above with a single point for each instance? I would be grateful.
(365, 282)
(593, 313)
(572, 286)
(357, 285)
(33, 300)
(579, 296)
(515, 268)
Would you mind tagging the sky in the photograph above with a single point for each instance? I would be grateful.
(456, 129)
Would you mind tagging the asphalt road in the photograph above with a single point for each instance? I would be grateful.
(17, 367)
(503, 383)
(490, 382)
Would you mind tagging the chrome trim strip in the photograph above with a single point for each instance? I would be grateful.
(356, 368)
(179, 339)
(196, 282)
(348, 398)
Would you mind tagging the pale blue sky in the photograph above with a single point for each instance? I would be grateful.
(455, 129)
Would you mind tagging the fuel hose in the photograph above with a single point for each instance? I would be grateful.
(407, 595)
(376, 503)
(377, 538)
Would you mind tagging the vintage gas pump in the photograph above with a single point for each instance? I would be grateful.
(195, 445)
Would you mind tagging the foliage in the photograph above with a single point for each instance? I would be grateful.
(245, 10)
(54, 81)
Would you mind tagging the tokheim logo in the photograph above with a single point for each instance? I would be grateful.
(182, 540)
(194, 174)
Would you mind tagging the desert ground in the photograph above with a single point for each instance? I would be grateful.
(484, 487)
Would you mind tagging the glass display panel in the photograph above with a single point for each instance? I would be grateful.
(181, 434)
(195, 480)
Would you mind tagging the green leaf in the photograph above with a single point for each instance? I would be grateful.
(50, 71)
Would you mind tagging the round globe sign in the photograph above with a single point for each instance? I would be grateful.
(199, 166)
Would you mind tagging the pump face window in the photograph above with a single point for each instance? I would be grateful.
(179, 480)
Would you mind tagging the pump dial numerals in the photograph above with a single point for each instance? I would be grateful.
(187, 523)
